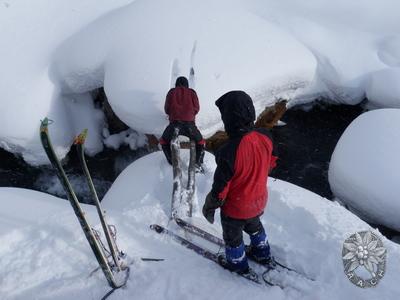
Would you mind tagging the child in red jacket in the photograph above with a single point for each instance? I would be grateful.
(182, 106)
(240, 182)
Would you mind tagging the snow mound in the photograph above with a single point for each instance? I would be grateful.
(364, 169)
(138, 51)
(348, 50)
(45, 253)
(29, 36)
(383, 89)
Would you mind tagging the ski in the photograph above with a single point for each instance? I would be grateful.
(177, 174)
(201, 251)
(191, 183)
(79, 142)
(180, 194)
(87, 230)
(220, 242)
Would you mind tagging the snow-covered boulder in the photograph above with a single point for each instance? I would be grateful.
(348, 50)
(383, 89)
(364, 170)
(30, 33)
(138, 51)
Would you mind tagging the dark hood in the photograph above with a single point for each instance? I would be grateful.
(237, 112)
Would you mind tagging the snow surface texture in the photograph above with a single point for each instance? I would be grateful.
(44, 255)
(364, 170)
(53, 53)
(30, 33)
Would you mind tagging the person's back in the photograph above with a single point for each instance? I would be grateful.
(182, 106)
(247, 193)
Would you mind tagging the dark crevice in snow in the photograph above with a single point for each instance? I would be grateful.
(115, 125)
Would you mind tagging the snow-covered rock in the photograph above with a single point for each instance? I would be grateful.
(383, 89)
(44, 254)
(364, 170)
(138, 51)
(30, 33)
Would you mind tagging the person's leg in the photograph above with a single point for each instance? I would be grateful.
(234, 247)
(165, 141)
(259, 246)
(200, 143)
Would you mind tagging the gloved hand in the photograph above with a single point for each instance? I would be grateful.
(209, 207)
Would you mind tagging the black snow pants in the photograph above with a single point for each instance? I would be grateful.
(188, 129)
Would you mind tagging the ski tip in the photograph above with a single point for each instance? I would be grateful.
(157, 228)
(80, 139)
(44, 124)
(179, 220)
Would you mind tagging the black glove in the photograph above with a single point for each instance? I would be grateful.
(209, 207)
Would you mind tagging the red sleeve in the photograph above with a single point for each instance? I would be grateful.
(167, 102)
(196, 104)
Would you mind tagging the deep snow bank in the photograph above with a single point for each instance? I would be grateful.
(48, 257)
(140, 49)
(364, 169)
(30, 32)
(351, 41)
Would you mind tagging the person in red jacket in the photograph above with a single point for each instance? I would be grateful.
(182, 106)
(240, 182)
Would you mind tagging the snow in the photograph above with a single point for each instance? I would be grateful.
(58, 52)
(55, 53)
(383, 88)
(364, 172)
(30, 33)
(44, 255)
(228, 48)
(350, 41)
(128, 137)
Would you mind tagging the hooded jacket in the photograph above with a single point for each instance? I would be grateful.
(244, 161)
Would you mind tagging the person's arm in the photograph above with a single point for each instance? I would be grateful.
(274, 153)
(196, 104)
(220, 188)
(167, 102)
(222, 178)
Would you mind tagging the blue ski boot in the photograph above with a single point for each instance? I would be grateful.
(236, 261)
(259, 249)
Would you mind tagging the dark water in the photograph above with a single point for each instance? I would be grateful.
(305, 145)
(104, 168)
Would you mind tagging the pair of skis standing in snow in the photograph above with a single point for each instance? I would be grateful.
(243, 164)
(111, 260)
